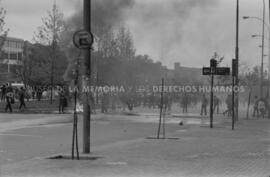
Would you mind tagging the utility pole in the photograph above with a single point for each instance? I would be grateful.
(262, 57)
(86, 80)
(161, 111)
(52, 68)
(236, 101)
(213, 67)
(269, 60)
(53, 52)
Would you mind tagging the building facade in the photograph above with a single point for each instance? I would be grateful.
(11, 59)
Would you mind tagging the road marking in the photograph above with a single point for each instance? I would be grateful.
(117, 163)
(9, 134)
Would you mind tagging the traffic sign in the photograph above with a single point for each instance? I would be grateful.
(206, 71)
(222, 71)
(216, 71)
(83, 39)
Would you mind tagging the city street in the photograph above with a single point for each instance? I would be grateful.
(26, 141)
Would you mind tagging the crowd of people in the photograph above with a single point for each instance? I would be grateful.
(9, 94)
(130, 100)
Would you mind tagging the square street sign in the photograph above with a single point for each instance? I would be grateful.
(216, 71)
(206, 71)
(222, 71)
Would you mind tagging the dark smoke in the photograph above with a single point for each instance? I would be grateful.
(105, 13)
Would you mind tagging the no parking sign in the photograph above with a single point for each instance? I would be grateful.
(83, 39)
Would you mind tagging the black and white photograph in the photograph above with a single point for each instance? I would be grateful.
(134, 88)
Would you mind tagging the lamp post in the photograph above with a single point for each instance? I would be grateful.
(262, 49)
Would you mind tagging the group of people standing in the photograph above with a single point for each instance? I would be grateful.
(204, 104)
(260, 107)
(9, 94)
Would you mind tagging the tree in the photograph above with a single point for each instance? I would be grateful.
(36, 66)
(250, 79)
(3, 30)
(49, 34)
(52, 28)
(125, 43)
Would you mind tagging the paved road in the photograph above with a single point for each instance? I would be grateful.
(120, 141)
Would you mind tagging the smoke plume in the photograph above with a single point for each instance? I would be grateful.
(105, 13)
(160, 25)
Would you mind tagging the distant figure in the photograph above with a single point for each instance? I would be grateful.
(184, 103)
(3, 92)
(204, 105)
(21, 98)
(229, 105)
(62, 102)
(255, 107)
(216, 102)
(9, 99)
(39, 94)
(261, 107)
(104, 103)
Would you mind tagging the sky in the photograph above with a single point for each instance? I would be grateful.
(185, 31)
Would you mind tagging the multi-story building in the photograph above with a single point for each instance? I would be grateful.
(185, 75)
(11, 59)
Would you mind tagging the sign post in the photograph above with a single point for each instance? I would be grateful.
(234, 74)
(83, 40)
(212, 71)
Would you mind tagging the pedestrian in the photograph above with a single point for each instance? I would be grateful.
(261, 107)
(62, 102)
(204, 105)
(184, 103)
(216, 102)
(9, 99)
(255, 107)
(21, 98)
(228, 101)
(3, 92)
(39, 94)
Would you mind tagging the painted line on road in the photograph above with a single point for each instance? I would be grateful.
(9, 134)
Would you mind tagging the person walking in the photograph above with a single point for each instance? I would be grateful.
(9, 99)
(21, 98)
(229, 105)
(262, 107)
(216, 102)
(184, 103)
(3, 92)
(255, 107)
(204, 105)
(62, 102)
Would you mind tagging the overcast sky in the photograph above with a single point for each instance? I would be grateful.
(185, 31)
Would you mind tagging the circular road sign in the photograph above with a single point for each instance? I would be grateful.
(83, 39)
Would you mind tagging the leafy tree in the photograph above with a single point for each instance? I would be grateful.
(125, 43)
(49, 35)
(52, 28)
(3, 30)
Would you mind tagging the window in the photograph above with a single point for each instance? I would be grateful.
(5, 55)
(19, 56)
(13, 56)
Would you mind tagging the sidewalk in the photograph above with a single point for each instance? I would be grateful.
(200, 151)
